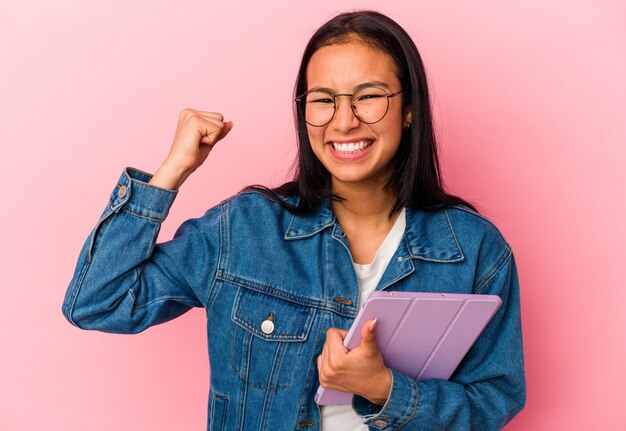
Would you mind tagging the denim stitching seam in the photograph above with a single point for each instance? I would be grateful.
(414, 406)
(152, 219)
(325, 305)
(244, 377)
(456, 241)
(210, 298)
(500, 263)
(77, 287)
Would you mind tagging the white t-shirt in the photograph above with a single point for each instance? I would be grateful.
(342, 417)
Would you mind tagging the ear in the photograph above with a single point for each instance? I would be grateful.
(408, 117)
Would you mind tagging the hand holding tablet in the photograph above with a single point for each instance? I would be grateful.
(423, 335)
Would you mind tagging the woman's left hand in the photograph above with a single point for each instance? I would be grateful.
(360, 370)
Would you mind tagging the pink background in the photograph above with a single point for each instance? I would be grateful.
(529, 102)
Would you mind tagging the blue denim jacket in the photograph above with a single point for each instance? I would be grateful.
(248, 260)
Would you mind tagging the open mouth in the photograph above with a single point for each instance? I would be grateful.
(351, 151)
(352, 147)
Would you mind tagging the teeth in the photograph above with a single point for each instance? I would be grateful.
(352, 146)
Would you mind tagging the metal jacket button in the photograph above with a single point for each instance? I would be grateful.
(267, 326)
(380, 423)
(121, 192)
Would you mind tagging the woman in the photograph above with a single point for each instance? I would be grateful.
(282, 273)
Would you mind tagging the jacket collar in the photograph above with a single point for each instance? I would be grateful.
(429, 235)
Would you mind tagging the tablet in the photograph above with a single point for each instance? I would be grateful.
(423, 335)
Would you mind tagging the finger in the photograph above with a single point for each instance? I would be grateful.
(336, 334)
(321, 365)
(223, 126)
(210, 130)
(334, 341)
(320, 370)
(368, 334)
(228, 126)
(214, 115)
(213, 122)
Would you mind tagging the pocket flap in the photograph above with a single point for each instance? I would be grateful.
(289, 321)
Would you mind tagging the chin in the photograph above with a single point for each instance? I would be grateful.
(351, 177)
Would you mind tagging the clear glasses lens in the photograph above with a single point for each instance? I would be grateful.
(319, 107)
(369, 105)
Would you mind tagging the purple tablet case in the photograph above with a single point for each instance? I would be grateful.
(423, 335)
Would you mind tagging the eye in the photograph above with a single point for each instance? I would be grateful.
(363, 97)
(321, 100)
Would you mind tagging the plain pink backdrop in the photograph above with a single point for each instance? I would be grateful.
(529, 101)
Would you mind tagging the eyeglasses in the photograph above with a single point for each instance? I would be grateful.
(369, 105)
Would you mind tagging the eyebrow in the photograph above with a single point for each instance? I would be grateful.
(355, 89)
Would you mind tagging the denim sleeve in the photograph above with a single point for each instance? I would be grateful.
(123, 281)
(488, 388)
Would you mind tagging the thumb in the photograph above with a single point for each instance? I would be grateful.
(368, 334)
(228, 125)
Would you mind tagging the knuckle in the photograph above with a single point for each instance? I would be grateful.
(322, 373)
(334, 364)
(186, 113)
(330, 374)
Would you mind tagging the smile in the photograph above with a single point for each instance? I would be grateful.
(351, 147)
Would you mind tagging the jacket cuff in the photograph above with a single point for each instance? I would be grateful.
(133, 193)
(398, 410)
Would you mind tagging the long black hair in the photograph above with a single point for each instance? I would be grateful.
(416, 179)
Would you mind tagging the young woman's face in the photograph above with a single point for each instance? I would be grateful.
(344, 68)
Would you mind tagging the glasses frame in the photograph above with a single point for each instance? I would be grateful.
(302, 99)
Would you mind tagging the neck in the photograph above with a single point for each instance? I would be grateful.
(364, 205)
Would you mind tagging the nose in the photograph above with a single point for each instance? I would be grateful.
(344, 119)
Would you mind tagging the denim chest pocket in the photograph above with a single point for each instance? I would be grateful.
(268, 338)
